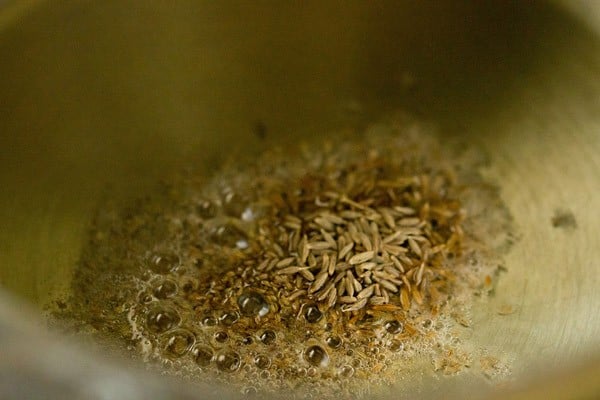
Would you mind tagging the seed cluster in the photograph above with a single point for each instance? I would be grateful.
(350, 236)
(325, 271)
(355, 254)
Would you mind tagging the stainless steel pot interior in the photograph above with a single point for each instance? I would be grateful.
(104, 98)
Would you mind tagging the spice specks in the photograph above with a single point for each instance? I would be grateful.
(564, 219)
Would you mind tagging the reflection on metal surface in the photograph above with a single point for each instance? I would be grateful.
(101, 99)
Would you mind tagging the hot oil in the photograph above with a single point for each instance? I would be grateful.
(329, 268)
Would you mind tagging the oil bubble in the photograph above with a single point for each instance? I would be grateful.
(209, 321)
(177, 343)
(316, 355)
(252, 304)
(334, 342)
(227, 235)
(206, 209)
(160, 320)
(162, 263)
(229, 318)
(249, 391)
(268, 337)
(396, 345)
(265, 374)
(188, 284)
(346, 371)
(247, 368)
(312, 314)
(228, 360)
(221, 336)
(247, 340)
(145, 297)
(262, 362)
(393, 326)
(203, 355)
(233, 204)
(165, 289)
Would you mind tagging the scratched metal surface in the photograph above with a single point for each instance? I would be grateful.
(102, 99)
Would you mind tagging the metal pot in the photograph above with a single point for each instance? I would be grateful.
(105, 98)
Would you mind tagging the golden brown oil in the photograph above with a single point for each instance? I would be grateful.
(205, 279)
